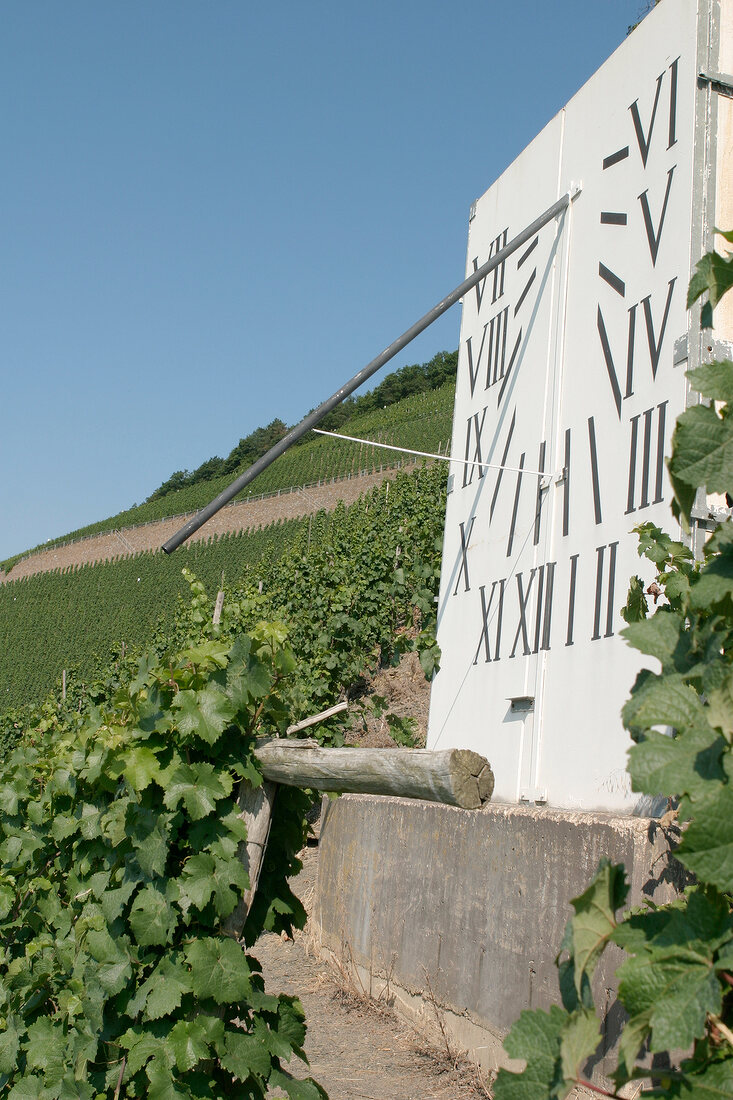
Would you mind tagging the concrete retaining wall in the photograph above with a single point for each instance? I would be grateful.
(470, 907)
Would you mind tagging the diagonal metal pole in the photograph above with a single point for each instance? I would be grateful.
(317, 415)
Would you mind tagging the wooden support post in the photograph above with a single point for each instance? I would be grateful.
(255, 809)
(457, 777)
(217, 607)
(63, 684)
(315, 718)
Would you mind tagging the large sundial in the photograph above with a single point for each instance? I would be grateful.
(571, 373)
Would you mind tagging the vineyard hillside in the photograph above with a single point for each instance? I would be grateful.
(314, 571)
(421, 422)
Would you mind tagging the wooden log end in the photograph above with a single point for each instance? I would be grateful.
(473, 779)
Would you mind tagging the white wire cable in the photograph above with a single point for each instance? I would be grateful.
(427, 454)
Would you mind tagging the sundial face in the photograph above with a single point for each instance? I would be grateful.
(567, 383)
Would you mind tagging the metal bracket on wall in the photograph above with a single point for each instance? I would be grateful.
(533, 794)
(720, 82)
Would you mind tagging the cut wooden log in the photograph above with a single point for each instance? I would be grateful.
(457, 777)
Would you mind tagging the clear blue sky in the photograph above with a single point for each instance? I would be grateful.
(215, 213)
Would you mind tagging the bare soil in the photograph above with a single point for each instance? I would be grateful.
(407, 695)
(358, 1048)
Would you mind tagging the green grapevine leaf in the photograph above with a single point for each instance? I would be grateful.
(189, 1040)
(713, 275)
(204, 714)
(9, 1042)
(663, 701)
(245, 1055)
(535, 1037)
(720, 706)
(140, 767)
(715, 581)
(713, 1081)
(634, 1035)
(219, 969)
(296, 1089)
(29, 1088)
(594, 919)
(707, 843)
(580, 1037)
(46, 1050)
(636, 607)
(114, 968)
(140, 1044)
(702, 449)
(671, 766)
(713, 380)
(200, 787)
(675, 990)
(162, 1085)
(163, 991)
(148, 833)
(152, 917)
(660, 635)
(211, 654)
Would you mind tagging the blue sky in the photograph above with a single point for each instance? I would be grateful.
(215, 213)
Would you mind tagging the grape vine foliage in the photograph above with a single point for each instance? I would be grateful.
(120, 868)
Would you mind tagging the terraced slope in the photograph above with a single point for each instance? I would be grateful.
(422, 422)
(70, 619)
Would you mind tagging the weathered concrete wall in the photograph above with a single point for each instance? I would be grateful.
(472, 905)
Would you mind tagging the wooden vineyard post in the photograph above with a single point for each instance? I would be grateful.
(255, 809)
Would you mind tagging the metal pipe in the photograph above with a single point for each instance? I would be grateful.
(318, 414)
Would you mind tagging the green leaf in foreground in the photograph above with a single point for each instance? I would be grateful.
(595, 918)
(702, 454)
(204, 714)
(200, 787)
(219, 969)
(707, 844)
(534, 1037)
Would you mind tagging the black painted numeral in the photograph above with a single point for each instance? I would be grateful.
(645, 139)
(463, 571)
(487, 620)
(492, 348)
(654, 236)
(654, 343)
(500, 472)
(644, 134)
(571, 598)
(540, 494)
(642, 483)
(544, 576)
(566, 487)
(474, 428)
(595, 479)
(605, 583)
(513, 524)
(497, 288)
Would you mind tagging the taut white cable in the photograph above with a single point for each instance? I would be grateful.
(427, 454)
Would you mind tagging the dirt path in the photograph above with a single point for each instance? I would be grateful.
(358, 1050)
